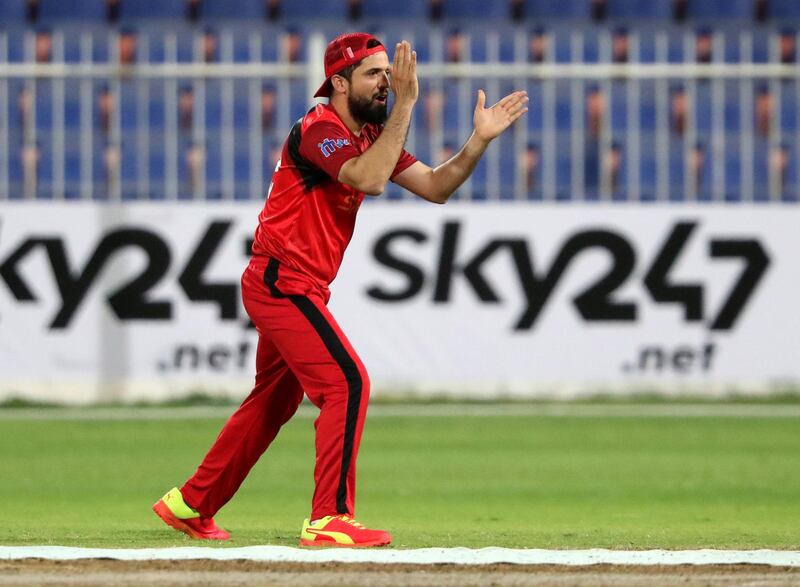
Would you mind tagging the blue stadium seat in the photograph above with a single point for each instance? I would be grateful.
(703, 107)
(411, 9)
(157, 166)
(12, 10)
(44, 140)
(242, 44)
(213, 165)
(156, 45)
(635, 9)
(537, 9)
(648, 172)
(475, 9)
(83, 10)
(72, 163)
(156, 113)
(72, 45)
(761, 170)
(648, 52)
(561, 49)
(44, 104)
(508, 48)
(72, 105)
(393, 33)
(14, 119)
(270, 45)
(563, 110)
(186, 39)
(16, 41)
(733, 49)
(784, 9)
(300, 101)
(128, 105)
(788, 107)
(732, 171)
(152, 9)
(790, 190)
(233, 9)
(305, 9)
(213, 99)
(102, 48)
(761, 42)
(713, 10)
(129, 162)
(593, 49)
(620, 191)
(676, 170)
(508, 166)
(648, 109)
(618, 107)
(676, 49)
(732, 106)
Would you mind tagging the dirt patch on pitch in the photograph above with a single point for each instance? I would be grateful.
(206, 572)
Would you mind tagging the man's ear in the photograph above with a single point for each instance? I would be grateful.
(339, 84)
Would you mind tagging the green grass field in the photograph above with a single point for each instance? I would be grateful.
(518, 481)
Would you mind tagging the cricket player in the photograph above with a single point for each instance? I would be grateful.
(334, 155)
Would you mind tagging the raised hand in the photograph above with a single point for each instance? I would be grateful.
(404, 74)
(490, 122)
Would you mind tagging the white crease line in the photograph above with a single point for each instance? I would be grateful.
(465, 556)
(427, 410)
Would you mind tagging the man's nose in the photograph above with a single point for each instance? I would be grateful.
(385, 79)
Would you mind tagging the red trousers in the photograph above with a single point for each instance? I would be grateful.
(300, 349)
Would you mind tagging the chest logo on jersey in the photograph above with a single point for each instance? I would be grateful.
(328, 146)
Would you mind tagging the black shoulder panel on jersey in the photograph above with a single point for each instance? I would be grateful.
(312, 176)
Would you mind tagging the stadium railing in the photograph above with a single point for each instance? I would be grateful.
(658, 126)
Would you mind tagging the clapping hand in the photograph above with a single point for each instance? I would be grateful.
(490, 122)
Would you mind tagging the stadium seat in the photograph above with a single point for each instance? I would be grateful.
(647, 106)
(618, 107)
(648, 170)
(410, 9)
(703, 107)
(152, 9)
(761, 42)
(83, 10)
(129, 106)
(475, 9)
(761, 170)
(129, 166)
(302, 10)
(15, 41)
(712, 10)
(784, 9)
(635, 9)
(543, 9)
(234, 9)
(12, 11)
(214, 106)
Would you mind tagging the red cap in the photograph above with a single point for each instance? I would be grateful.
(343, 51)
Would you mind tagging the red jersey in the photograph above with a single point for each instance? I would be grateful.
(309, 216)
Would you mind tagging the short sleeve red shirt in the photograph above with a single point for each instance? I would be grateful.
(309, 216)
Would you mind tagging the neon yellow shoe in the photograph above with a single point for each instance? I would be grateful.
(173, 510)
(341, 530)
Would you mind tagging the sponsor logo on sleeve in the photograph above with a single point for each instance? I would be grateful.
(328, 146)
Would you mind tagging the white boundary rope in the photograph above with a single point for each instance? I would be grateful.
(555, 410)
(459, 556)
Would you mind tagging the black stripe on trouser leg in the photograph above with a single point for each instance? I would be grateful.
(271, 278)
(354, 385)
(346, 363)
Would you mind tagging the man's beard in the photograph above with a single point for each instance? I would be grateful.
(366, 110)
